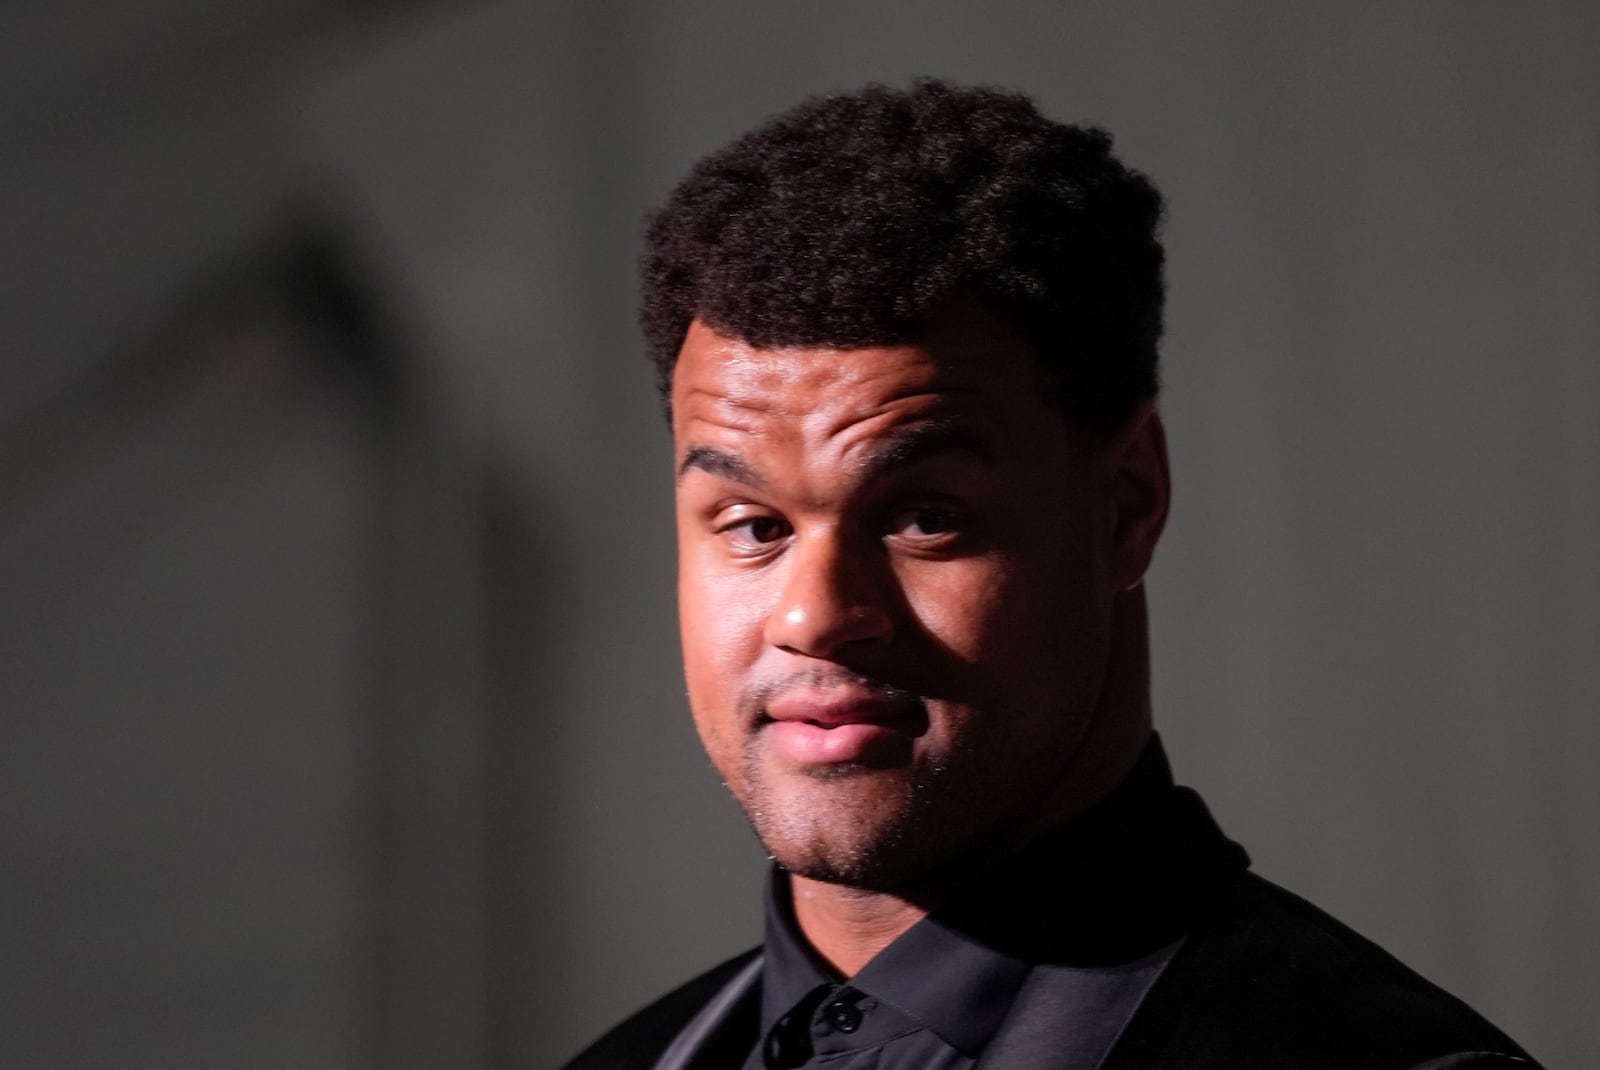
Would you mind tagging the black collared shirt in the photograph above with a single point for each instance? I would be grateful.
(931, 999)
(1099, 905)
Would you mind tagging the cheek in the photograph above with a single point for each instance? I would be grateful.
(721, 634)
(709, 692)
(989, 611)
(1023, 639)
(961, 605)
(720, 624)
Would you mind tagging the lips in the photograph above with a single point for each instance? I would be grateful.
(827, 727)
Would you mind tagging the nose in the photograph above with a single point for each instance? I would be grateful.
(833, 603)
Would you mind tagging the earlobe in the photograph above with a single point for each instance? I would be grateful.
(1141, 491)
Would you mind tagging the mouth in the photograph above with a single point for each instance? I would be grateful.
(817, 728)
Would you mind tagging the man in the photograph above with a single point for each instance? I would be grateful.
(908, 346)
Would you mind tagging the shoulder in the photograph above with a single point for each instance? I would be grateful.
(639, 1040)
(1270, 975)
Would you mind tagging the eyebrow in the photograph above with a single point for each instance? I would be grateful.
(721, 463)
(903, 449)
(923, 441)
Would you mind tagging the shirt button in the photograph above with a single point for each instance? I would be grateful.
(845, 1017)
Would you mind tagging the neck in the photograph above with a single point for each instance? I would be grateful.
(848, 926)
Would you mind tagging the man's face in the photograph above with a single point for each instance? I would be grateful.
(895, 585)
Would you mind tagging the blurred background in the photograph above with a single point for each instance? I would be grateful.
(341, 722)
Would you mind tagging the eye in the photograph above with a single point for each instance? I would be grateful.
(752, 534)
(928, 525)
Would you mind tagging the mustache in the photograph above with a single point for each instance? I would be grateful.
(760, 694)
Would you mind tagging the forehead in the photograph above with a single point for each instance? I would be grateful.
(966, 364)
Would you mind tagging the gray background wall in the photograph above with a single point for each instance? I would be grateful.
(341, 713)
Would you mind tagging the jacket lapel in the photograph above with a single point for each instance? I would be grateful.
(1068, 1018)
(724, 1024)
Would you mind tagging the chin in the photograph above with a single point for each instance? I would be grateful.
(867, 873)
(850, 829)
(877, 865)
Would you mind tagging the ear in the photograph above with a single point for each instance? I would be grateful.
(1139, 486)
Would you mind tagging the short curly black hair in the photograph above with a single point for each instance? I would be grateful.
(853, 218)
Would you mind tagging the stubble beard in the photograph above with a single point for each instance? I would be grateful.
(852, 825)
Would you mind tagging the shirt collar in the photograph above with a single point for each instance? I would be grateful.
(791, 970)
(957, 987)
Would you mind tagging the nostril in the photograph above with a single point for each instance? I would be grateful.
(868, 621)
(820, 630)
